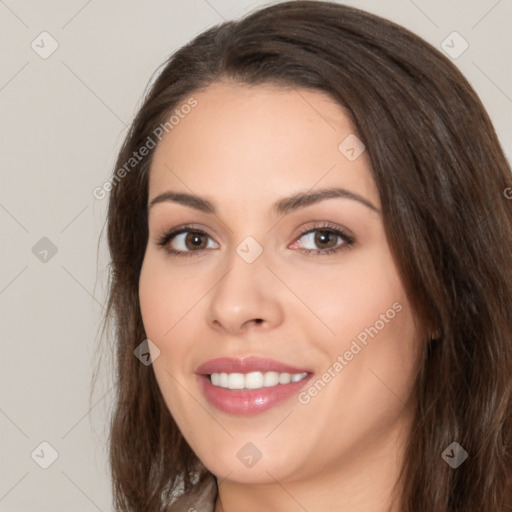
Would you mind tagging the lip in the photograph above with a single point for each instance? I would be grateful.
(246, 365)
(248, 402)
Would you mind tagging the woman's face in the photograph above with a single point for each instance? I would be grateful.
(305, 284)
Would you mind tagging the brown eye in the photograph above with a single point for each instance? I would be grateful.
(195, 240)
(185, 241)
(325, 239)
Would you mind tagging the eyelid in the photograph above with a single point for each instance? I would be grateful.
(167, 235)
(322, 225)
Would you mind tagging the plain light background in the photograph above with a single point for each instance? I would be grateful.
(63, 119)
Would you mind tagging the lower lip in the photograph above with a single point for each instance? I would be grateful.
(247, 402)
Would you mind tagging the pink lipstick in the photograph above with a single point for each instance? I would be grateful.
(248, 386)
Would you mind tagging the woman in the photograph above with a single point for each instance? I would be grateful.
(312, 245)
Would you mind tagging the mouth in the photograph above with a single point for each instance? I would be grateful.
(251, 385)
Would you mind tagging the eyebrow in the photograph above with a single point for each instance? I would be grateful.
(281, 207)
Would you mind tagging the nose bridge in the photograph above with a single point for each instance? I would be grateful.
(244, 294)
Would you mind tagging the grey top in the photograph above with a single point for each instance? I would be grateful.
(201, 498)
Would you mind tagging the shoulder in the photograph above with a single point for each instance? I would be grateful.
(201, 498)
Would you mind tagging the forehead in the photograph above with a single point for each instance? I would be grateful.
(260, 142)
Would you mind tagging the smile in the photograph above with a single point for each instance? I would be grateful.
(254, 380)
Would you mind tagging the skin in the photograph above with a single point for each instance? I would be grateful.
(243, 148)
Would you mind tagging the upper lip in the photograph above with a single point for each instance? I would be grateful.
(246, 365)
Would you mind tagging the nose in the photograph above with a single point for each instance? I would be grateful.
(246, 297)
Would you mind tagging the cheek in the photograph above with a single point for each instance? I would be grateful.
(347, 299)
(166, 294)
(163, 304)
(154, 298)
(375, 335)
(170, 302)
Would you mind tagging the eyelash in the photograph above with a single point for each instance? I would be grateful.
(348, 241)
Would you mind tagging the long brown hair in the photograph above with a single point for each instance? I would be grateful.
(442, 179)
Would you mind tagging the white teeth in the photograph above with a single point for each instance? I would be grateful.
(285, 378)
(254, 380)
(223, 380)
(270, 379)
(236, 381)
